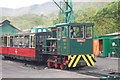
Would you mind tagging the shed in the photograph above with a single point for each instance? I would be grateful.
(115, 46)
(102, 45)
(6, 28)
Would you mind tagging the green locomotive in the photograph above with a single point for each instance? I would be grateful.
(71, 44)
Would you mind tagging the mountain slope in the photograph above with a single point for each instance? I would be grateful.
(47, 14)
(46, 9)
(107, 19)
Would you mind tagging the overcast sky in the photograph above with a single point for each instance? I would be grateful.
(20, 3)
(24, 3)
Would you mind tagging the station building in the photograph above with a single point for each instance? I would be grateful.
(107, 45)
(6, 28)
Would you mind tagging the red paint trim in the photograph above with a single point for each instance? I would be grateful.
(66, 61)
(64, 47)
(56, 65)
(55, 56)
(64, 40)
(80, 43)
(48, 64)
(55, 61)
(26, 52)
(63, 59)
(58, 46)
(61, 66)
(4, 50)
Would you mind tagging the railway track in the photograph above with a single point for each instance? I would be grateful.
(102, 74)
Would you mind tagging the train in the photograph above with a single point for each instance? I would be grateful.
(66, 45)
(60, 48)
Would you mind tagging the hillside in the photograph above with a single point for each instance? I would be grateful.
(46, 9)
(28, 21)
(107, 19)
(47, 14)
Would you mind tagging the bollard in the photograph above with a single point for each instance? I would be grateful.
(114, 77)
(103, 78)
(108, 77)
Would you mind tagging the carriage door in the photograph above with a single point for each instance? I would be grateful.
(39, 47)
(64, 40)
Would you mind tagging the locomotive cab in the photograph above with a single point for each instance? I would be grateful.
(74, 45)
(74, 38)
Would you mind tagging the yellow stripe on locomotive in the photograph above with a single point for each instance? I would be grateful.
(75, 60)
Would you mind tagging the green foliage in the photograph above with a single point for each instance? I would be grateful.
(28, 21)
(107, 19)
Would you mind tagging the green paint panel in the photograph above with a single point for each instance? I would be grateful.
(64, 46)
(81, 47)
(7, 29)
(54, 34)
(58, 47)
(104, 37)
(106, 47)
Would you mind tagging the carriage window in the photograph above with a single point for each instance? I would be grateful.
(15, 41)
(33, 41)
(30, 41)
(39, 30)
(76, 32)
(59, 33)
(26, 42)
(11, 41)
(88, 32)
(2, 42)
(64, 31)
(21, 41)
(5, 41)
(8, 41)
(44, 30)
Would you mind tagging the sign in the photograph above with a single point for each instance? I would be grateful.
(81, 40)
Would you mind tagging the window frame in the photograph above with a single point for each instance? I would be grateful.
(91, 32)
(73, 28)
(59, 33)
(66, 32)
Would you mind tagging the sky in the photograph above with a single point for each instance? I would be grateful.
(20, 3)
(25, 3)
